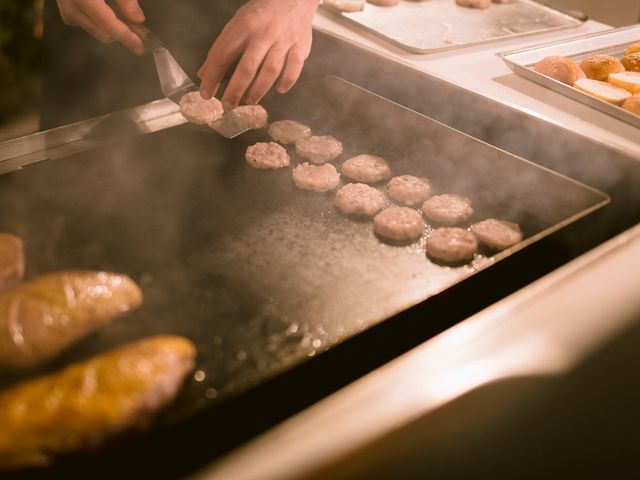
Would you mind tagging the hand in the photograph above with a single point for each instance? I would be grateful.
(99, 20)
(273, 39)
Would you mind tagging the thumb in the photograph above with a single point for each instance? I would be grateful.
(130, 10)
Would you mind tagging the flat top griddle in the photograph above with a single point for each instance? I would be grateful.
(259, 274)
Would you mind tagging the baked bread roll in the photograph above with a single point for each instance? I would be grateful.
(603, 90)
(633, 48)
(632, 104)
(598, 67)
(631, 62)
(11, 260)
(84, 404)
(40, 318)
(561, 69)
(630, 81)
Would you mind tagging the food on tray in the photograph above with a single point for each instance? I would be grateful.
(255, 114)
(40, 318)
(474, 3)
(497, 234)
(267, 155)
(319, 149)
(11, 260)
(198, 110)
(452, 245)
(504, 1)
(399, 224)
(633, 104)
(409, 190)
(83, 405)
(598, 67)
(631, 62)
(288, 131)
(448, 209)
(602, 90)
(318, 178)
(633, 48)
(630, 81)
(561, 69)
(384, 3)
(366, 169)
(345, 5)
(359, 200)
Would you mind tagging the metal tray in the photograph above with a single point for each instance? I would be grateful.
(435, 25)
(611, 42)
(262, 275)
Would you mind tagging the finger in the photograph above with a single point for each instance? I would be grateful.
(106, 20)
(244, 74)
(269, 72)
(84, 22)
(295, 61)
(130, 10)
(223, 53)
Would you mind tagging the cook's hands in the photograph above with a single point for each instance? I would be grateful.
(273, 39)
(99, 20)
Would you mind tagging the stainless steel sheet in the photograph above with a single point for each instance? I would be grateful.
(434, 25)
(611, 42)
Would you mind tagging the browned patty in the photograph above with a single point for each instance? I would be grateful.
(399, 224)
(497, 234)
(288, 131)
(198, 110)
(318, 178)
(267, 156)
(452, 245)
(11, 260)
(448, 209)
(319, 149)
(86, 403)
(409, 190)
(366, 169)
(255, 114)
(359, 199)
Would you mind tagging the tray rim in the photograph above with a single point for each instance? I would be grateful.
(523, 69)
(574, 23)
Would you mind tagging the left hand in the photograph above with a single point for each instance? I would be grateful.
(273, 39)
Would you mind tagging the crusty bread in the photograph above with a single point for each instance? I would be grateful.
(84, 404)
(11, 260)
(561, 69)
(598, 67)
(632, 104)
(631, 62)
(40, 318)
(602, 90)
(630, 81)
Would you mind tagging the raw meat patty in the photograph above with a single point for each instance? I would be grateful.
(198, 110)
(288, 131)
(86, 403)
(398, 223)
(319, 178)
(384, 3)
(409, 190)
(359, 199)
(452, 245)
(267, 156)
(11, 260)
(345, 5)
(366, 169)
(448, 209)
(497, 234)
(319, 149)
(474, 3)
(255, 114)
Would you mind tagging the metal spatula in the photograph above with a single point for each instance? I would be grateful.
(174, 82)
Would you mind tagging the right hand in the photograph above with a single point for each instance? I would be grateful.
(99, 20)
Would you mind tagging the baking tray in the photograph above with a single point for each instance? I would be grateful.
(611, 42)
(436, 25)
(260, 275)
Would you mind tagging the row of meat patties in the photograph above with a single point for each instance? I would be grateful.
(402, 208)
